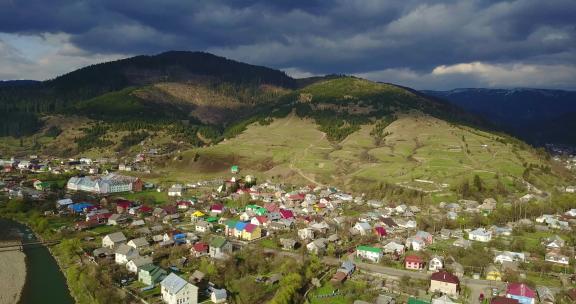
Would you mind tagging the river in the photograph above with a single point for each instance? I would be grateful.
(45, 283)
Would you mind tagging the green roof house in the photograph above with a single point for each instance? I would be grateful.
(417, 301)
(234, 169)
(220, 248)
(372, 254)
(151, 274)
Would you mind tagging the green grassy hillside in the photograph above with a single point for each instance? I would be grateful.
(416, 152)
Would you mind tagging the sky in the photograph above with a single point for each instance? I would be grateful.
(433, 44)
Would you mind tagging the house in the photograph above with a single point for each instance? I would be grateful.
(555, 242)
(394, 248)
(218, 295)
(413, 262)
(151, 274)
(380, 232)
(176, 290)
(220, 248)
(117, 219)
(203, 226)
(124, 253)
(288, 244)
(480, 235)
(372, 254)
(338, 277)
(259, 220)
(136, 263)
(347, 267)
(217, 208)
(286, 214)
(445, 282)
(362, 228)
(110, 183)
(545, 295)
(509, 256)
(199, 249)
(113, 239)
(139, 243)
(503, 300)
(306, 234)
(415, 244)
(521, 292)
(444, 299)
(424, 236)
(251, 232)
(436, 263)
(493, 273)
(175, 190)
(554, 256)
(317, 247)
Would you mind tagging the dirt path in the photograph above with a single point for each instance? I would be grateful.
(12, 275)
(299, 171)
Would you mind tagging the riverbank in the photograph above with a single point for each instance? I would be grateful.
(12, 274)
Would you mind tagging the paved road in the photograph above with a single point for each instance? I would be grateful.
(476, 286)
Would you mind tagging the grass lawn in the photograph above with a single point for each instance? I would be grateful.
(269, 243)
(148, 196)
(326, 290)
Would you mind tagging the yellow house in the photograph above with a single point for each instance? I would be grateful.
(251, 232)
(493, 274)
(196, 215)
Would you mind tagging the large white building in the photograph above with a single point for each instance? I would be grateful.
(111, 183)
(176, 290)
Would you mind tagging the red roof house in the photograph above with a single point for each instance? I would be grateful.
(380, 231)
(503, 300)
(286, 214)
(414, 262)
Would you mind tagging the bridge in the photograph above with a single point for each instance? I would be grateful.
(20, 246)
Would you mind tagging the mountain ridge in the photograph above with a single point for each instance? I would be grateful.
(528, 113)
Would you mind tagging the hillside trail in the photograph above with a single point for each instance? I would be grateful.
(299, 171)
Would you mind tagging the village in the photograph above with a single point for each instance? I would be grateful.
(358, 249)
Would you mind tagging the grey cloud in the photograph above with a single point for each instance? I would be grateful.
(315, 36)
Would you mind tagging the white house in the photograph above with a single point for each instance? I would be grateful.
(394, 247)
(480, 235)
(554, 256)
(175, 190)
(306, 234)
(124, 254)
(369, 253)
(139, 243)
(362, 228)
(176, 290)
(203, 226)
(509, 256)
(113, 239)
(436, 263)
(218, 296)
(138, 262)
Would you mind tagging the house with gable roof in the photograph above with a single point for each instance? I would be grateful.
(176, 290)
(445, 282)
(521, 292)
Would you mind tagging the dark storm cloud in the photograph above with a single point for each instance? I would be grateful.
(315, 36)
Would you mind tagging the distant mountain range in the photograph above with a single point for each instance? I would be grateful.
(537, 116)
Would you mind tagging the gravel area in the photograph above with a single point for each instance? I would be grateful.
(12, 275)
